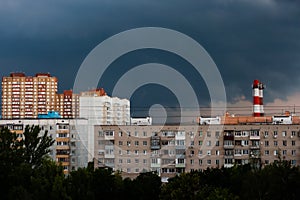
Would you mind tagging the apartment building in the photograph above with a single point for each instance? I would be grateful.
(170, 150)
(27, 96)
(67, 104)
(101, 109)
(70, 135)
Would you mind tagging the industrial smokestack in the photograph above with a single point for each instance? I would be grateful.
(258, 108)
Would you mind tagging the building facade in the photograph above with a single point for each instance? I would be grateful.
(67, 104)
(27, 96)
(170, 150)
(101, 109)
(70, 135)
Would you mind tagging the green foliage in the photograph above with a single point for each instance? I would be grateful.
(277, 181)
(27, 173)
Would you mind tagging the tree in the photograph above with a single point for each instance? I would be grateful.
(18, 159)
(35, 146)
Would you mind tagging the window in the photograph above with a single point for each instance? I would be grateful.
(245, 151)
(200, 133)
(266, 143)
(128, 161)
(284, 142)
(275, 152)
(100, 134)
(109, 133)
(275, 143)
(217, 143)
(293, 142)
(128, 152)
(136, 143)
(135, 133)
(293, 152)
(283, 133)
(208, 143)
(136, 161)
(154, 160)
(267, 152)
(208, 152)
(120, 134)
(180, 142)
(145, 152)
(180, 161)
(284, 152)
(200, 161)
(217, 152)
(136, 152)
(245, 142)
(200, 152)
(267, 162)
(217, 133)
(208, 133)
(200, 142)
(144, 161)
(192, 161)
(266, 134)
(120, 143)
(120, 161)
(209, 162)
(217, 162)
(275, 133)
(144, 133)
(293, 133)
(145, 143)
(128, 143)
(229, 161)
(192, 152)
(192, 143)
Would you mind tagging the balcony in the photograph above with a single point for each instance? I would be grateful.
(229, 137)
(229, 156)
(180, 165)
(228, 146)
(109, 137)
(155, 165)
(254, 137)
(155, 143)
(254, 147)
(180, 147)
(228, 165)
(109, 156)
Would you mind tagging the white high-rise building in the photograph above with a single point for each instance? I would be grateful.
(101, 109)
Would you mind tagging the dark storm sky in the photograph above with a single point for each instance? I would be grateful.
(247, 39)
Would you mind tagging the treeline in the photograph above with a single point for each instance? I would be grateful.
(27, 173)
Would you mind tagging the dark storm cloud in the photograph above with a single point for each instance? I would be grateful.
(248, 39)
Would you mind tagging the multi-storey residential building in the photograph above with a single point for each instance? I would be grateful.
(27, 96)
(104, 110)
(101, 109)
(170, 150)
(67, 104)
(70, 135)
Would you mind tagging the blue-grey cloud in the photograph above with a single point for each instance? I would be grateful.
(248, 39)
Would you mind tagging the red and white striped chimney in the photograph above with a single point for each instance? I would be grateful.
(258, 108)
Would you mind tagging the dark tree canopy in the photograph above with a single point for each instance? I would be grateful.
(27, 173)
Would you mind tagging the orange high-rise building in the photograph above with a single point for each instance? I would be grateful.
(27, 96)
